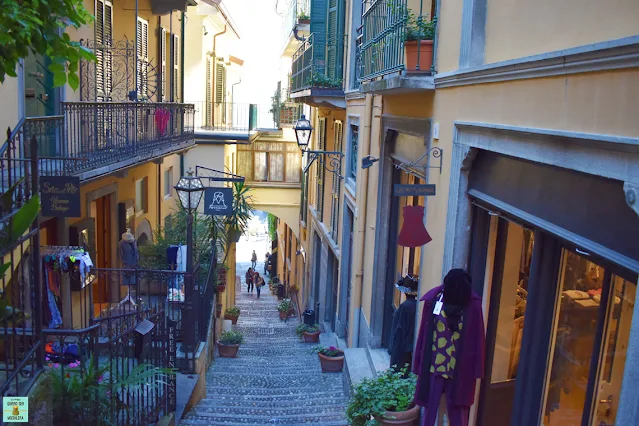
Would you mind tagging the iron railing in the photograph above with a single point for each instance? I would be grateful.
(385, 26)
(296, 9)
(318, 63)
(233, 117)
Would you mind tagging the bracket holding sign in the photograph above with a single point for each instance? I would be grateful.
(216, 176)
(435, 152)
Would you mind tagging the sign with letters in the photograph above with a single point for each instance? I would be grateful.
(60, 196)
(413, 190)
(218, 201)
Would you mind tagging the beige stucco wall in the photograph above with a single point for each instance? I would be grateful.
(448, 36)
(517, 28)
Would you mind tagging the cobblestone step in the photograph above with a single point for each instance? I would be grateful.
(221, 419)
(251, 408)
(273, 399)
(224, 392)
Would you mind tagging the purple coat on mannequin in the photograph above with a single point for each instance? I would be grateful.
(470, 361)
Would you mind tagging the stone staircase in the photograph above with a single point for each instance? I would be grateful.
(274, 380)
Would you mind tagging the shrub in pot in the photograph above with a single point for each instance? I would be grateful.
(418, 42)
(331, 358)
(284, 307)
(384, 400)
(229, 343)
(232, 314)
(310, 333)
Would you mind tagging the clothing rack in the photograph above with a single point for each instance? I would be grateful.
(68, 252)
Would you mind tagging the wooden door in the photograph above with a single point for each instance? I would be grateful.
(103, 247)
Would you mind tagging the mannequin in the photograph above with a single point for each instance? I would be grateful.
(129, 256)
(449, 356)
(402, 338)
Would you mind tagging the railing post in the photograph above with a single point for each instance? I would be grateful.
(35, 253)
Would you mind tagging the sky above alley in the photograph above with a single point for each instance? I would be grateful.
(260, 29)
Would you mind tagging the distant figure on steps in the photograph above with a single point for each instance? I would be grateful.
(253, 259)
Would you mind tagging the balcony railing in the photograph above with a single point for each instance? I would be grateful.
(297, 9)
(91, 135)
(233, 117)
(318, 63)
(386, 26)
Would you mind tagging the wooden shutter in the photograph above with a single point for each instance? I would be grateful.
(209, 91)
(99, 41)
(219, 82)
(176, 68)
(334, 39)
(321, 141)
(163, 69)
(143, 56)
(338, 137)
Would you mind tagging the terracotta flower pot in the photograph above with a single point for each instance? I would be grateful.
(283, 315)
(331, 364)
(227, 351)
(233, 318)
(304, 21)
(399, 417)
(218, 310)
(425, 49)
(221, 288)
(311, 337)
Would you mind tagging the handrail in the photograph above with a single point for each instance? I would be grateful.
(11, 135)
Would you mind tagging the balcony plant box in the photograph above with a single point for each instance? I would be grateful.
(331, 358)
(229, 344)
(309, 333)
(387, 398)
(418, 43)
(232, 313)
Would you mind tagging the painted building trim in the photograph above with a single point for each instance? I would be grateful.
(604, 56)
(323, 232)
(473, 33)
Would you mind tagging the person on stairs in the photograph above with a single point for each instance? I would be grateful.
(449, 355)
(253, 259)
(259, 282)
(249, 280)
(402, 338)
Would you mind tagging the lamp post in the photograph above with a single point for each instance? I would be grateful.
(303, 132)
(189, 190)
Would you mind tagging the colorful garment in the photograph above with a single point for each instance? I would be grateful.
(444, 341)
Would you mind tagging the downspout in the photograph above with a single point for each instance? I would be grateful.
(360, 237)
(160, 197)
(215, 67)
(233, 91)
(182, 46)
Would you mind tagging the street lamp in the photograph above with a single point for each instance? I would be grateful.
(190, 191)
(303, 132)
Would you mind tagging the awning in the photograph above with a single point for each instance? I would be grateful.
(162, 7)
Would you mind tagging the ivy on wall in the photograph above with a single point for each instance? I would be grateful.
(272, 226)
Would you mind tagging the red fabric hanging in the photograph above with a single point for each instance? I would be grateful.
(413, 232)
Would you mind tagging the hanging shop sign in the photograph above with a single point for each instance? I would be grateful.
(60, 196)
(218, 201)
(413, 190)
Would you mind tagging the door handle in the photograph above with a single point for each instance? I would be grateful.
(606, 401)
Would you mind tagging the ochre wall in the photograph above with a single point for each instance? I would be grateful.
(448, 36)
(517, 28)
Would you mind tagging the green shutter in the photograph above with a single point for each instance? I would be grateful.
(319, 9)
(335, 39)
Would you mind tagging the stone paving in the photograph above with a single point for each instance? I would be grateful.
(274, 380)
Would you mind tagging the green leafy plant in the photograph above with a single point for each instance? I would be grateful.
(303, 16)
(233, 311)
(285, 305)
(322, 80)
(39, 27)
(419, 27)
(232, 338)
(239, 220)
(95, 395)
(390, 391)
(330, 351)
(304, 328)
(272, 227)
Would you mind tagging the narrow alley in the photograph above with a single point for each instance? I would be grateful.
(275, 378)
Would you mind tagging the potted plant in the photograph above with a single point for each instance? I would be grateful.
(218, 310)
(284, 307)
(303, 18)
(387, 398)
(310, 333)
(232, 314)
(331, 358)
(237, 222)
(418, 42)
(221, 278)
(229, 343)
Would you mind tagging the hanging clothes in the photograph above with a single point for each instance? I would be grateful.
(53, 295)
(413, 232)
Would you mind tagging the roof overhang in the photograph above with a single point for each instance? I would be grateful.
(163, 7)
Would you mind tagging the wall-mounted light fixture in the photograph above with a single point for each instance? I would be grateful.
(368, 161)
(303, 132)
(205, 31)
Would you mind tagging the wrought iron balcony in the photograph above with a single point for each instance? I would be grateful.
(93, 138)
(395, 38)
(318, 64)
(233, 117)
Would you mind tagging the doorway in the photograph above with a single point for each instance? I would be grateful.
(40, 100)
(101, 213)
(345, 285)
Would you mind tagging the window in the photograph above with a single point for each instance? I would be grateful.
(352, 160)
(270, 161)
(103, 54)
(260, 171)
(275, 167)
(143, 58)
(168, 182)
(355, 43)
(163, 79)
(176, 68)
(141, 195)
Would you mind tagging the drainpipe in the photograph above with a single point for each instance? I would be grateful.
(360, 237)
(160, 195)
(214, 66)
(233, 91)
(182, 47)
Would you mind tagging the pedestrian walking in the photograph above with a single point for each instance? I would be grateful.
(266, 262)
(258, 285)
(269, 267)
(249, 280)
(253, 259)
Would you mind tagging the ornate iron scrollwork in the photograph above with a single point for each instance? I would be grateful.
(333, 163)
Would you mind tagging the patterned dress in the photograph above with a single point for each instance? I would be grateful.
(444, 351)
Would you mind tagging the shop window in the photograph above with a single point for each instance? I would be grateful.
(352, 161)
(168, 182)
(141, 195)
(573, 340)
(260, 170)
